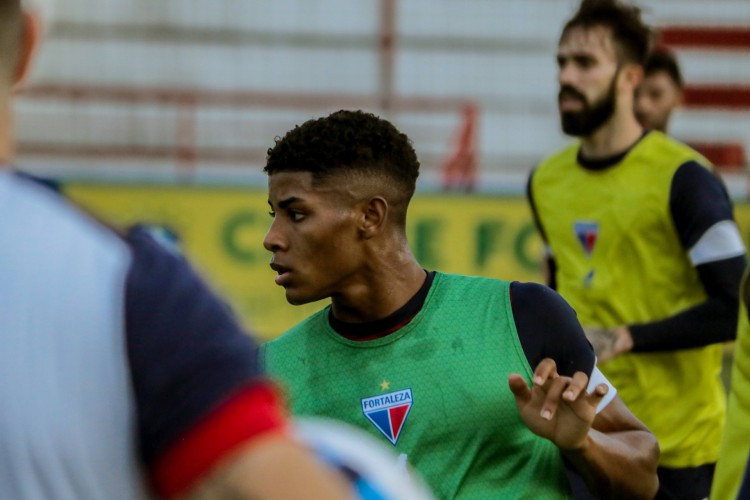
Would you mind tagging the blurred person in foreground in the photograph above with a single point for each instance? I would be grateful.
(660, 92)
(121, 375)
(421, 358)
(641, 241)
(734, 454)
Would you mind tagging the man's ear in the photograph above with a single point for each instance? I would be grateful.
(374, 215)
(632, 76)
(30, 38)
(680, 100)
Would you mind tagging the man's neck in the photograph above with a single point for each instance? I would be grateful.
(382, 291)
(612, 138)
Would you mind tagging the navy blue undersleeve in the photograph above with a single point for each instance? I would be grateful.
(548, 328)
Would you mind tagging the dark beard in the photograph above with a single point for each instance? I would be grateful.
(586, 121)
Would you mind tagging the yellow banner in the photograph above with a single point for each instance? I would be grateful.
(222, 229)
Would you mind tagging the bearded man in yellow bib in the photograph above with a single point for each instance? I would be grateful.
(641, 241)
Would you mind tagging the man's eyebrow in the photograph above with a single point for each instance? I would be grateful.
(288, 201)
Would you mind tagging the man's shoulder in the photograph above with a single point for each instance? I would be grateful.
(557, 164)
(476, 290)
(661, 146)
(452, 279)
(41, 216)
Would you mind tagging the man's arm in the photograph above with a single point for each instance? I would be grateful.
(612, 450)
(710, 322)
(703, 217)
(271, 468)
(618, 444)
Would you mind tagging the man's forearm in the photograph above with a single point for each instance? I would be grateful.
(710, 322)
(273, 467)
(618, 465)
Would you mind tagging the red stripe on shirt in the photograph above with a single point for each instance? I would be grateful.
(246, 415)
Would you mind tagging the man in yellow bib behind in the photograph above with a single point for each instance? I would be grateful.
(732, 478)
(641, 241)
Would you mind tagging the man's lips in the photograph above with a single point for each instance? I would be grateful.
(283, 273)
(570, 103)
(569, 99)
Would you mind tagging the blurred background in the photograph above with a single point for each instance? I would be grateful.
(162, 111)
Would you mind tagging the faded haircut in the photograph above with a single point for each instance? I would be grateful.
(352, 144)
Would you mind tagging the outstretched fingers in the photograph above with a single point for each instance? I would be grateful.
(597, 394)
(546, 370)
(577, 386)
(519, 388)
(553, 392)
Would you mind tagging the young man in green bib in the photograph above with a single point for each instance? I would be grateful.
(642, 243)
(485, 387)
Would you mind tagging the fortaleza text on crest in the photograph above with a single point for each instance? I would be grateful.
(388, 412)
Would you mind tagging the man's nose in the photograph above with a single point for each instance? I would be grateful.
(272, 241)
(565, 74)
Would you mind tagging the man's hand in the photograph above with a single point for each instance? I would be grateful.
(555, 407)
(609, 342)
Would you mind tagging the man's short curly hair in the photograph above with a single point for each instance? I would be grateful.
(348, 142)
(631, 35)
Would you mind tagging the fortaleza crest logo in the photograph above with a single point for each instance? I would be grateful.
(388, 412)
(587, 233)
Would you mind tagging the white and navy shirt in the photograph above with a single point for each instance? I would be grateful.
(119, 369)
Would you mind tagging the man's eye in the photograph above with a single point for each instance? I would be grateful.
(272, 213)
(296, 216)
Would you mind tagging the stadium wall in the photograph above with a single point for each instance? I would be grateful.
(221, 231)
(193, 91)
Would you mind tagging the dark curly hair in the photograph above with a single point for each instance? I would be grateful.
(354, 143)
(631, 35)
